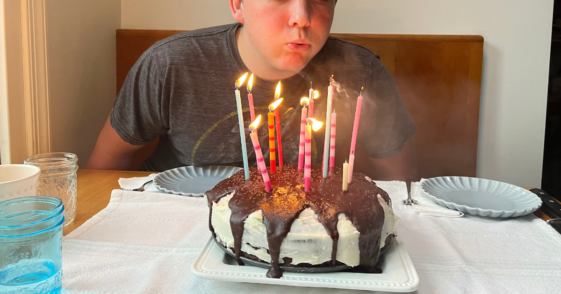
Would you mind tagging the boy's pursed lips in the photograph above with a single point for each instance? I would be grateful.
(299, 45)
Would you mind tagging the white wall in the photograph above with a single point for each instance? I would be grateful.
(82, 71)
(516, 60)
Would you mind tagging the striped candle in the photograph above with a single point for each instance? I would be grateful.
(272, 152)
(279, 130)
(353, 138)
(327, 130)
(272, 115)
(259, 155)
(308, 164)
(238, 84)
(304, 101)
(312, 125)
(332, 143)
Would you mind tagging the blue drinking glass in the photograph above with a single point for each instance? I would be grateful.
(31, 245)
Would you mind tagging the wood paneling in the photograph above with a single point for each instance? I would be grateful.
(438, 76)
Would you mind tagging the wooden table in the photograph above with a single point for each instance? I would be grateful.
(94, 193)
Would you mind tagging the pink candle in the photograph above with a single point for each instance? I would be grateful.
(259, 155)
(353, 139)
(308, 165)
(332, 142)
(250, 98)
(304, 101)
(314, 94)
(312, 125)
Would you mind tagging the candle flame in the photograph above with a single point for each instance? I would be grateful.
(253, 126)
(304, 100)
(275, 104)
(316, 125)
(240, 81)
(316, 94)
(278, 90)
(250, 83)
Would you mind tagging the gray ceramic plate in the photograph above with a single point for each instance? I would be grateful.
(192, 181)
(480, 196)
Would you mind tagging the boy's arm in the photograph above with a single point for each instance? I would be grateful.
(401, 166)
(111, 152)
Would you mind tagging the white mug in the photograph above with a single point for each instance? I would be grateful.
(18, 180)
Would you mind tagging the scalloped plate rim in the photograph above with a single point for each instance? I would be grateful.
(176, 170)
(485, 212)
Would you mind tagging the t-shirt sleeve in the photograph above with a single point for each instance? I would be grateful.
(137, 113)
(385, 123)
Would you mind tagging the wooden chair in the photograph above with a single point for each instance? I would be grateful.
(438, 76)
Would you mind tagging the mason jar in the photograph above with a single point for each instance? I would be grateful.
(31, 245)
(58, 179)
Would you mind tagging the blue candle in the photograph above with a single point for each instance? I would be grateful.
(241, 123)
(327, 130)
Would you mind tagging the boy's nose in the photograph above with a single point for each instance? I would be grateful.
(299, 14)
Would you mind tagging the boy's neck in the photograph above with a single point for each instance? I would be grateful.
(255, 62)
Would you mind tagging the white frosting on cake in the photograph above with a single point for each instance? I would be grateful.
(307, 241)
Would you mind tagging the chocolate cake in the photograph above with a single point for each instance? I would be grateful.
(291, 227)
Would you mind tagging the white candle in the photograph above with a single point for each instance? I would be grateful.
(327, 130)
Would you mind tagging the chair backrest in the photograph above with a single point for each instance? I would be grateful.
(439, 77)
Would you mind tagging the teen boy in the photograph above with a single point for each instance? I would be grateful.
(181, 90)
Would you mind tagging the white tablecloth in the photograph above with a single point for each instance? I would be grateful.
(147, 242)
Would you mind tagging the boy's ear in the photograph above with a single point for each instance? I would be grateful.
(237, 11)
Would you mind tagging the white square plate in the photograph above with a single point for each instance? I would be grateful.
(398, 273)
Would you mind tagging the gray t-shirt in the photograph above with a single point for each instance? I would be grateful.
(182, 89)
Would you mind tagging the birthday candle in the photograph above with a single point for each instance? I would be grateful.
(238, 84)
(304, 101)
(327, 129)
(279, 131)
(312, 125)
(332, 143)
(259, 155)
(345, 176)
(311, 95)
(308, 164)
(353, 138)
(272, 152)
(250, 97)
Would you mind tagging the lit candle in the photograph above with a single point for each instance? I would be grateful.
(272, 152)
(327, 129)
(355, 132)
(279, 131)
(250, 97)
(345, 176)
(332, 142)
(312, 125)
(259, 155)
(311, 95)
(304, 102)
(315, 95)
(238, 84)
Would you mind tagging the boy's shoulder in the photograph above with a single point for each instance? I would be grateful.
(199, 40)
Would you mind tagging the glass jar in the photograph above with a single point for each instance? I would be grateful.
(58, 179)
(31, 245)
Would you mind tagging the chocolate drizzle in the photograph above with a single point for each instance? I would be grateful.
(288, 199)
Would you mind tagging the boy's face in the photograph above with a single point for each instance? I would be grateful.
(286, 34)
